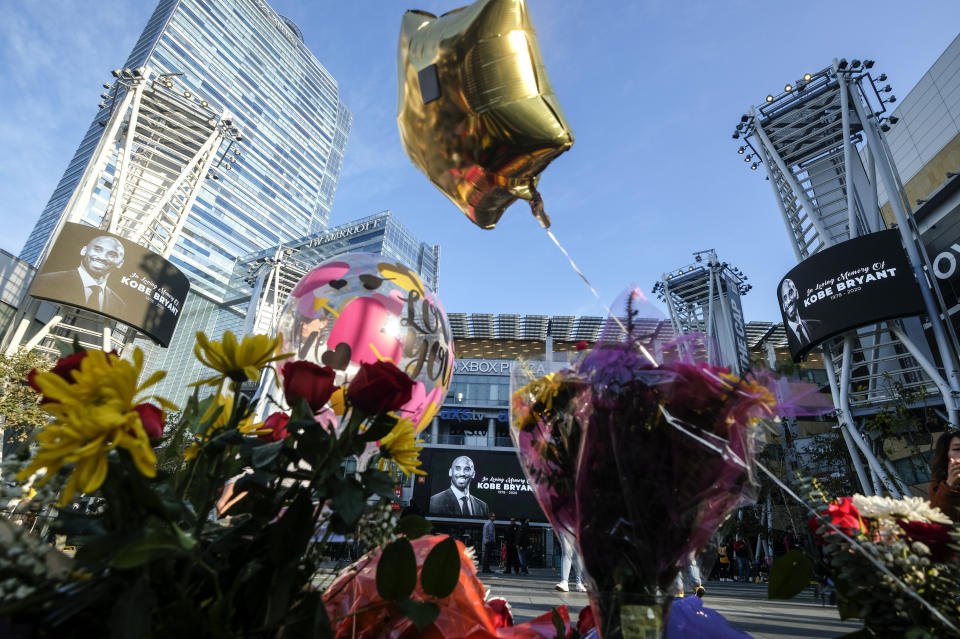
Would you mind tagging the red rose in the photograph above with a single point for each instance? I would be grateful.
(499, 611)
(64, 367)
(841, 514)
(277, 425)
(581, 345)
(152, 419)
(585, 620)
(935, 536)
(379, 387)
(309, 381)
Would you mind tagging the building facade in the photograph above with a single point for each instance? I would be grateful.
(247, 60)
(15, 278)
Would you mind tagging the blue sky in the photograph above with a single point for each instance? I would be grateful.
(651, 89)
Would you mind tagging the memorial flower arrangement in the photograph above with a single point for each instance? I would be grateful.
(893, 563)
(640, 462)
(229, 542)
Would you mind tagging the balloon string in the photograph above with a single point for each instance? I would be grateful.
(536, 207)
(728, 454)
(610, 313)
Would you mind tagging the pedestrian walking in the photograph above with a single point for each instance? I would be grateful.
(489, 542)
(692, 571)
(510, 563)
(741, 550)
(566, 565)
(723, 555)
(523, 545)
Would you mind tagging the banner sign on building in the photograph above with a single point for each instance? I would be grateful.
(942, 241)
(738, 327)
(856, 283)
(114, 277)
(471, 484)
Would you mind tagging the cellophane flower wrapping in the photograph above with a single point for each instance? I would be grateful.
(547, 434)
(638, 461)
(357, 611)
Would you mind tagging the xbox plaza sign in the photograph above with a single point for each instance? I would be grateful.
(496, 367)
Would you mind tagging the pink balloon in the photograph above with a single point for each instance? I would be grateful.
(361, 327)
(360, 308)
(320, 277)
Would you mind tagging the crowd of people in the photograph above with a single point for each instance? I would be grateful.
(513, 554)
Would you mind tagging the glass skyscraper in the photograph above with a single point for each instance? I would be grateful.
(380, 233)
(247, 60)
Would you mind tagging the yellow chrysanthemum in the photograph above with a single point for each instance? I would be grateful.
(543, 390)
(224, 402)
(400, 447)
(238, 361)
(337, 401)
(93, 415)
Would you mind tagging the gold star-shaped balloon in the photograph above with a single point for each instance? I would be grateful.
(476, 110)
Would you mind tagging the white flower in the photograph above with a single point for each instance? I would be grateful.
(911, 508)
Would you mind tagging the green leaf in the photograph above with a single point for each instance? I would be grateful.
(312, 439)
(380, 483)
(348, 501)
(421, 613)
(289, 535)
(94, 550)
(846, 608)
(441, 569)
(311, 621)
(397, 571)
(278, 595)
(133, 611)
(154, 544)
(227, 438)
(789, 575)
(263, 455)
(196, 409)
(183, 539)
(558, 624)
(414, 526)
(857, 634)
(380, 428)
(66, 348)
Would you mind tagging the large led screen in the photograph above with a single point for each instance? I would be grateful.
(470, 484)
(852, 284)
(94, 270)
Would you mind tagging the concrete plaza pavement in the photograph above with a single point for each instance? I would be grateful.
(745, 606)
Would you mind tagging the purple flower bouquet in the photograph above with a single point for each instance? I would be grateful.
(639, 462)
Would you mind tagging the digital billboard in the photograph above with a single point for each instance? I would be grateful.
(942, 242)
(855, 283)
(114, 277)
(470, 484)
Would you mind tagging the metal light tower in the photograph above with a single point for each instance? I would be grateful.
(273, 279)
(159, 144)
(703, 298)
(821, 142)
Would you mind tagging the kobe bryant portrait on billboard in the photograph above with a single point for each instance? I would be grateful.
(457, 500)
(800, 328)
(88, 285)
